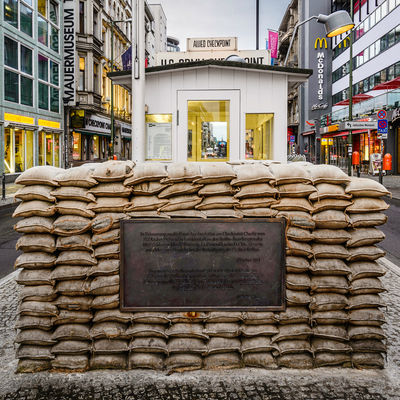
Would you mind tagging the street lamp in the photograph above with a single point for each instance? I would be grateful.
(112, 22)
(335, 24)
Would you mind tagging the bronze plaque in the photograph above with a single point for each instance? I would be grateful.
(203, 265)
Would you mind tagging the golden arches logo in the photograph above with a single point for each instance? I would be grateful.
(345, 41)
(321, 42)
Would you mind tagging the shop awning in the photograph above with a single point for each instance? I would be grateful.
(360, 131)
(358, 98)
(389, 85)
(308, 133)
(85, 132)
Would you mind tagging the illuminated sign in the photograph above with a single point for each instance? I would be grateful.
(19, 119)
(321, 42)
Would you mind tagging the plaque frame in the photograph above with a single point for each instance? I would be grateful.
(188, 309)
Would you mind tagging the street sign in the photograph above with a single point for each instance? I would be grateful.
(381, 114)
(382, 126)
(292, 139)
(359, 125)
(384, 135)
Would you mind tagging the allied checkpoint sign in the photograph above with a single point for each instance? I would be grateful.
(203, 265)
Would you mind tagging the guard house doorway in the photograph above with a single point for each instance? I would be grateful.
(208, 125)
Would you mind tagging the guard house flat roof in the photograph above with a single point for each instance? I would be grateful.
(295, 75)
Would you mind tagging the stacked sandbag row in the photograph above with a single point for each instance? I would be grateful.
(332, 280)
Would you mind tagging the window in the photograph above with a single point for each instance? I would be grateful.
(11, 12)
(392, 5)
(81, 73)
(96, 77)
(18, 71)
(48, 89)
(77, 146)
(259, 136)
(95, 22)
(25, 15)
(18, 149)
(81, 17)
(158, 136)
(48, 24)
(391, 38)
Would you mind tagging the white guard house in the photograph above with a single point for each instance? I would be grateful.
(213, 110)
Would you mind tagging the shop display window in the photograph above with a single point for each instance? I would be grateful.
(19, 150)
(30, 149)
(208, 130)
(259, 133)
(8, 151)
(96, 147)
(158, 136)
(77, 146)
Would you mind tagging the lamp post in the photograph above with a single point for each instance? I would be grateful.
(335, 24)
(112, 22)
(257, 24)
(350, 137)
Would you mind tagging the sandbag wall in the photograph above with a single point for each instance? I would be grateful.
(69, 317)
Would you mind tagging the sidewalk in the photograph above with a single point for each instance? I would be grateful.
(11, 189)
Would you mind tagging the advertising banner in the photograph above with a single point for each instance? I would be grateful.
(273, 38)
(127, 60)
(69, 62)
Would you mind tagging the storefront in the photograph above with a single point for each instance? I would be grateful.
(393, 142)
(91, 137)
(308, 145)
(216, 110)
(126, 141)
(27, 143)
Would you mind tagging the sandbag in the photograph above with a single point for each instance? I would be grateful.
(298, 249)
(148, 345)
(289, 173)
(297, 297)
(107, 251)
(330, 332)
(108, 330)
(191, 316)
(113, 170)
(259, 360)
(36, 337)
(35, 225)
(365, 187)
(145, 203)
(329, 191)
(105, 302)
(148, 188)
(367, 360)
(110, 346)
(300, 219)
(112, 315)
(223, 345)
(293, 315)
(333, 317)
(185, 330)
(216, 202)
(105, 285)
(258, 330)
(366, 286)
(330, 204)
(67, 225)
(367, 205)
(73, 193)
(73, 316)
(74, 242)
(185, 214)
(256, 202)
(292, 332)
(327, 359)
(296, 190)
(183, 362)
(324, 173)
(365, 253)
(151, 330)
(222, 329)
(41, 175)
(34, 277)
(111, 236)
(365, 301)
(329, 266)
(150, 214)
(366, 269)
(329, 346)
(331, 219)
(73, 303)
(368, 346)
(225, 316)
(297, 281)
(75, 257)
(293, 204)
(365, 237)
(299, 234)
(34, 352)
(33, 208)
(367, 219)
(331, 236)
(71, 362)
(69, 272)
(182, 171)
(71, 332)
(258, 212)
(215, 173)
(222, 361)
(329, 284)
(146, 172)
(258, 318)
(329, 251)
(106, 221)
(292, 347)
(149, 317)
(36, 242)
(37, 293)
(26, 365)
(38, 309)
(366, 317)
(179, 189)
(217, 189)
(35, 192)
(256, 190)
(186, 345)
(298, 361)
(105, 267)
(153, 361)
(297, 264)
(31, 322)
(328, 302)
(366, 332)
(74, 207)
(108, 361)
(73, 287)
(257, 344)
(251, 173)
(78, 176)
(109, 205)
(185, 202)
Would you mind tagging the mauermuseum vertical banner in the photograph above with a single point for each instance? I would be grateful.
(69, 63)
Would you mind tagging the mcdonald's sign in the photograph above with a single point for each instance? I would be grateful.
(345, 41)
(320, 42)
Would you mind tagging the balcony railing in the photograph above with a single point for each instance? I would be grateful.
(366, 108)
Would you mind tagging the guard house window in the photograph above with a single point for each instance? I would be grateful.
(81, 17)
(18, 71)
(49, 84)
(81, 73)
(208, 130)
(259, 133)
(158, 136)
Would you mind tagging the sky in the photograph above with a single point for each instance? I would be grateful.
(222, 18)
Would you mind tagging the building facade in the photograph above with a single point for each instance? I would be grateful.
(31, 108)
(376, 64)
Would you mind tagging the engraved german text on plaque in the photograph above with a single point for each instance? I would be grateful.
(201, 265)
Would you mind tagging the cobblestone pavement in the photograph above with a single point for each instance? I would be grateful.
(251, 384)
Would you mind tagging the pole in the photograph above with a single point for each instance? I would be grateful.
(112, 89)
(350, 137)
(138, 85)
(381, 168)
(257, 24)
